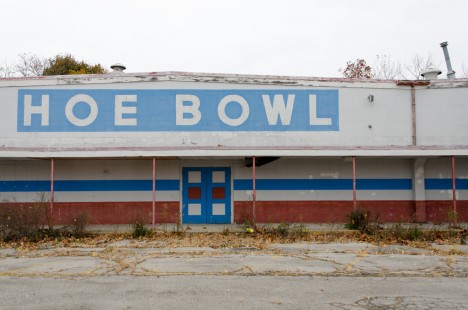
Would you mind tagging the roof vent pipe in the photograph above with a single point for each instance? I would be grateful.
(450, 72)
(118, 68)
(431, 74)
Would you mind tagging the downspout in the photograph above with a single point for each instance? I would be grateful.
(52, 191)
(454, 192)
(420, 206)
(154, 192)
(254, 190)
(413, 114)
(412, 84)
(354, 184)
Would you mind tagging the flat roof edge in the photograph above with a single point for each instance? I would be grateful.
(178, 76)
(119, 153)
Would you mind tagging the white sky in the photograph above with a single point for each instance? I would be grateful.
(288, 37)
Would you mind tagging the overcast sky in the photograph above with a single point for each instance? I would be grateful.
(289, 37)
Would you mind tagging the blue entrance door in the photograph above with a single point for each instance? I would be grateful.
(206, 195)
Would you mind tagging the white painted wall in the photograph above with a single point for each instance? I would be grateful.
(442, 116)
(440, 121)
(323, 168)
(23, 170)
(284, 168)
(441, 168)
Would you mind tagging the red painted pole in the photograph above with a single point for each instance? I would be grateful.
(454, 191)
(254, 190)
(52, 192)
(154, 191)
(354, 184)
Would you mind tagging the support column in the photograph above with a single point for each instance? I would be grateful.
(154, 192)
(254, 190)
(354, 184)
(454, 192)
(52, 191)
(419, 189)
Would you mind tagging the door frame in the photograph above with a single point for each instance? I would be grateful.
(205, 164)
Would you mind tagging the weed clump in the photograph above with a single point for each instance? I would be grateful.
(401, 233)
(28, 221)
(79, 223)
(139, 228)
(363, 221)
(282, 231)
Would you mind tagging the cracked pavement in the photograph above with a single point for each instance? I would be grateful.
(140, 258)
(133, 274)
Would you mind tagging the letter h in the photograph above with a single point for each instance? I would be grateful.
(42, 110)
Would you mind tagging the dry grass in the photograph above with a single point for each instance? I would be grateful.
(232, 240)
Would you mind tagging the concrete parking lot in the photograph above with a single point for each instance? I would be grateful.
(131, 274)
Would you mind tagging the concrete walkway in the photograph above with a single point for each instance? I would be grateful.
(151, 258)
(239, 227)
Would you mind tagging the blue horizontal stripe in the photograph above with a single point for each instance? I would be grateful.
(384, 184)
(24, 186)
(241, 184)
(443, 184)
(324, 184)
(89, 185)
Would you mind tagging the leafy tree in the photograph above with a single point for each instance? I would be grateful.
(67, 64)
(357, 69)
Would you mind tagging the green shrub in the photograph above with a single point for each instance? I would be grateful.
(414, 233)
(140, 230)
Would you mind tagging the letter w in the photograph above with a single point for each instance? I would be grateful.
(278, 109)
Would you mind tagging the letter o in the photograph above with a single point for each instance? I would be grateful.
(81, 121)
(233, 121)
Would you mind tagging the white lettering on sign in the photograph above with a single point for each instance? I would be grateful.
(233, 121)
(120, 109)
(81, 121)
(42, 110)
(278, 109)
(153, 110)
(193, 110)
(314, 120)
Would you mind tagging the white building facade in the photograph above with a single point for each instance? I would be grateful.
(210, 148)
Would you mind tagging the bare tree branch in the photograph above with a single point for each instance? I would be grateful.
(6, 70)
(385, 68)
(464, 71)
(30, 65)
(417, 66)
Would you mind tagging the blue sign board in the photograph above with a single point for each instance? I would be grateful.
(175, 110)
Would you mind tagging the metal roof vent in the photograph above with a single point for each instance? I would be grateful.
(431, 74)
(118, 68)
(450, 72)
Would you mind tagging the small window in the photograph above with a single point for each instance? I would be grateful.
(218, 193)
(194, 193)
